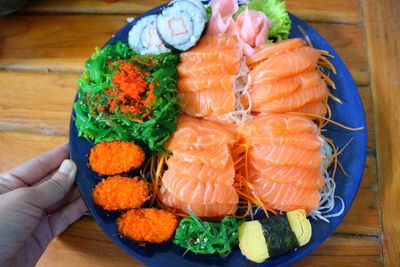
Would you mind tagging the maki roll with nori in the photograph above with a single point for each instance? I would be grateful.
(260, 240)
(182, 23)
(143, 37)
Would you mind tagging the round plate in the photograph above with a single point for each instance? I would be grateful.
(349, 113)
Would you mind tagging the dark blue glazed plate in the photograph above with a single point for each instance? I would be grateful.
(349, 113)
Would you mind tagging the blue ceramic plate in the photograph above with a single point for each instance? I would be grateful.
(349, 113)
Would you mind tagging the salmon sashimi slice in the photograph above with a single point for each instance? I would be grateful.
(285, 155)
(294, 101)
(225, 40)
(210, 43)
(188, 69)
(262, 131)
(300, 177)
(218, 157)
(200, 171)
(269, 50)
(269, 90)
(207, 103)
(278, 125)
(266, 90)
(198, 192)
(287, 197)
(212, 54)
(194, 133)
(209, 75)
(308, 141)
(201, 210)
(287, 64)
(213, 82)
(317, 108)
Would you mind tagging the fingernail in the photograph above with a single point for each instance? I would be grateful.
(66, 167)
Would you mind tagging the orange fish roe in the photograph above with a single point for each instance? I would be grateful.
(147, 225)
(120, 193)
(110, 158)
(131, 91)
(130, 82)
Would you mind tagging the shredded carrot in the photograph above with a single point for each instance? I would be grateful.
(327, 79)
(324, 118)
(110, 158)
(120, 193)
(335, 98)
(242, 185)
(159, 161)
(325, 62)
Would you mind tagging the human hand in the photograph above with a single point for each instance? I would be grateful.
(37, 203)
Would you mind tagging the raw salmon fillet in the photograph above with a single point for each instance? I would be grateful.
(286, 155)
(267, 51)
(301, 177)
(223, 176)
(287, 64)
(287, 196)
(207, 103)
(284, 160)
(215, 47)
(208, 76)
(294, 101)
(266, 90)
(317, 108)
(200, 172)
(194, 191)
(203, 210)
(215, 157)
(194, 133)
(222, 40)
(284, 78)
(307, 141)
(198, 68)
(278, 124)
(222, 82)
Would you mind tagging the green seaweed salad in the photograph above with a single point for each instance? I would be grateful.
(207, 237)
(126, 96)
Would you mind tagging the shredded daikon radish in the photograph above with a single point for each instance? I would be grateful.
(242, 84)
(327, 201)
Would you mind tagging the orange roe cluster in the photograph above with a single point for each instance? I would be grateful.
(120, 193)
(116, 157)
(131, 92)
(147, 225)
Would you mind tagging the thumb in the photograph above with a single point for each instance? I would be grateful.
(53, 190)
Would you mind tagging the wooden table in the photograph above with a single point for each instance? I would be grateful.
(44, 46)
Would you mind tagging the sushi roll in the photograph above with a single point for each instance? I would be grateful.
(197, 3)
(143, 37)
(272, 237)
(182, 23)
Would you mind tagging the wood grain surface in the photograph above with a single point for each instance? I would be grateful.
(382, 29)
(62, 43)
(345, 11)
(43, 49)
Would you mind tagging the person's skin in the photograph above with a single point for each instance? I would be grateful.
(37, 203)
